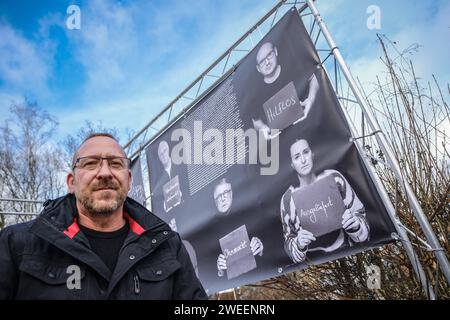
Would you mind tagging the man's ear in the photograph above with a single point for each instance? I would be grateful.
(258, 68)
(276, 51)
(70, 180)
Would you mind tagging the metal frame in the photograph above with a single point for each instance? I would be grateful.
(12, 211)
(195, 91)
(402, 235)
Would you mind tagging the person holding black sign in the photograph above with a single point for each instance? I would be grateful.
(167, 185)
(323, 212)
(268, 66)
(223, 198)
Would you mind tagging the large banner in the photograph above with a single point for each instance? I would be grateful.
(260, 177)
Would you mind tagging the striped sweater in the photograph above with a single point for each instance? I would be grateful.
(291, 223)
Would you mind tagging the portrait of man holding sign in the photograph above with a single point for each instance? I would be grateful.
(167, 183)
(238, 251)
(284, 108)
(171, 189)
(323, 212)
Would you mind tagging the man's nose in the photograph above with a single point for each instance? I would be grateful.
(104, 170)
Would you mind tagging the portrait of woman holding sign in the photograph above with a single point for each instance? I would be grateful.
(323, 212)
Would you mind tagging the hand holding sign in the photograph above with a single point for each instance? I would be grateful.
(264, 128)
(304, 238)
(307, 104)
(256, 246)
(237, 254)
(306, 107)
(221, 264)
(350, 222)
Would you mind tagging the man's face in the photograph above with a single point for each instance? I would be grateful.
(223, 197)
(102, 190)
(163, 153)
(302, 157)
(266, 59)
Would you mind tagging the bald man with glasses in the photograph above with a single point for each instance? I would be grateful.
(268, 65)
(95, 242)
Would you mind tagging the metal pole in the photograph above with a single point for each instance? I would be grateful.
(417, 266)
(384, 144)
(21, 200)
(10, 213)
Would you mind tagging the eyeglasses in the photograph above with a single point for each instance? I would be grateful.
(223, 195)
(94, 162)
(269, 56)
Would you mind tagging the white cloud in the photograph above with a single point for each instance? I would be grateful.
(104, 44)
(434, 38)
(23, 66)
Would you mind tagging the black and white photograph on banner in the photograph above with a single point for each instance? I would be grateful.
(137, 191)
(322, 211)
(284, 107)
(284, 87)
(231, 246)
(237, 240)
(317, 203)
(237, 257)
(167, 187)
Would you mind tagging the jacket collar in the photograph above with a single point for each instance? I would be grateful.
(58, 225)
(62, 214)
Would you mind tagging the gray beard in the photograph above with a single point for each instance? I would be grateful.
(96, 210)
(90, 207)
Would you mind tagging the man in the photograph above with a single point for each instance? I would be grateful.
(223, 198)
(166, 193)
(267, 65)
(354, 224)
(170, 171)
(95, 243)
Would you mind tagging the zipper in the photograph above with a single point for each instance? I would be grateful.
(137, 287)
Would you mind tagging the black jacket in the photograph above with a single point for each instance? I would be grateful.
(35, 259)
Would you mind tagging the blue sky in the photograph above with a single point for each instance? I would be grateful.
(131, 58)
